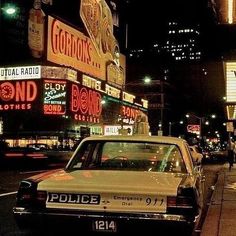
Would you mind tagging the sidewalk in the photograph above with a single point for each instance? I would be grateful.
(221, 215)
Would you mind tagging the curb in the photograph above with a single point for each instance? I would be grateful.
(212, 220)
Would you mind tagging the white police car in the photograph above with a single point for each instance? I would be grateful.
(116, 184)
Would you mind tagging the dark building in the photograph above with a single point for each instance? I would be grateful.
(183, 42)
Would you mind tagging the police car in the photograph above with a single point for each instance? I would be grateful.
(116, 184)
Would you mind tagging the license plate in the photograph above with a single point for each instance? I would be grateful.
(104, 225)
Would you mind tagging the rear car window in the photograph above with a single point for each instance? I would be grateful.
(133, 156)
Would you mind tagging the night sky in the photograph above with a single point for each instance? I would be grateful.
(151, 19)
(147, 24)
(197, 92)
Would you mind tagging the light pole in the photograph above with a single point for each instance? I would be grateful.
(8, 9)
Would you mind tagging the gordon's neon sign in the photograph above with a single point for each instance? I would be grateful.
(68, 46)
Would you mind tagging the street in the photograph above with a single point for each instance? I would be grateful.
(9, 180)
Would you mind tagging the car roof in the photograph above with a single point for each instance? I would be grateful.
(146, 138)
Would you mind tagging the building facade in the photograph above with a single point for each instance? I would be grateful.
(71, 83)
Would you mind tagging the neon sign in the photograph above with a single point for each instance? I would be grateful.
(129, 112)
(54, 97)
(85, 104)
(17, 95)
(68, 46)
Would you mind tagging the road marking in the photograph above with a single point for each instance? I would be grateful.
(6, 194)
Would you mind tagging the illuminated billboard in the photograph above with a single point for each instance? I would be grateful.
(230, 68)
(18, 95)
(54, 97)
(230, 79)
(231, 112)
(85, 103)
(69, 47)
(226, 10)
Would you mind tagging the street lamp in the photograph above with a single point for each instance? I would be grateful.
(8, 9)
(147, 80)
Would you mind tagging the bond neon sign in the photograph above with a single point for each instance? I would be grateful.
(129, 112)
(85, 104)
(17, 95)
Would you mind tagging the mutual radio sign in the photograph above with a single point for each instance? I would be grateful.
(24, 72)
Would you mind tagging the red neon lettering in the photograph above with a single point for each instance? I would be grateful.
(74, 98)
(7, 91)
(31, 89)
(132, 113)
(26, 91)
(69, 46)
(129, 112)
(52, 109)
(85, 101)
(123, 110)
(54, 36)
(95, 103)
(21, 91)
(62, 42)
(65, 43)
(73, 46)
(15, 107)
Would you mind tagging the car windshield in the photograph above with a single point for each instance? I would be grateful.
(133, 156)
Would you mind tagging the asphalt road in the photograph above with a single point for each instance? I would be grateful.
(10, 178)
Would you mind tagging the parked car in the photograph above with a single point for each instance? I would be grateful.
(196, 154)
(116, 183)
